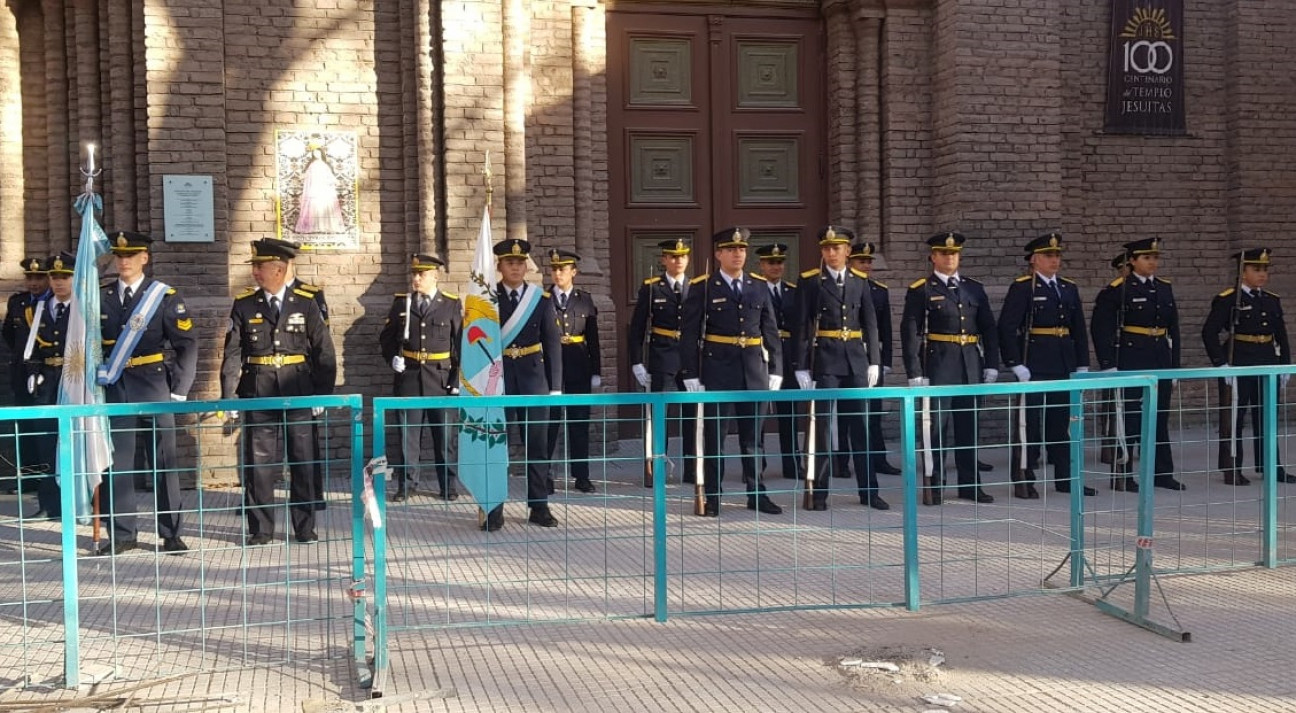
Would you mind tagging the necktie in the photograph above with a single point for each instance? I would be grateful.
(128, 296)
(60, 312)
(952, 284)
(778, 296)
(737, 286)
(422, 300)
(562, 300)
(274, 309)
(1053, 285)
(841, 279)
(513, 297)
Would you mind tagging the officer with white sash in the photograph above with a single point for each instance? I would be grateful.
(140, 318)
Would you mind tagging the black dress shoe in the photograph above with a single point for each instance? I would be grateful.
(584, 485)
(876, 502)
(117, 548)
(258, 540)
(884, 468)
(819, 505)
(1283, 477)
(984, 467)
(307, 539)
(978, 495)
(320, 506)
(1065, 487)
(1168, 482)
(1235, 478)
(765, 505)
(541, 516)
(448, 496)
(494, 520)
(174, 545)
(712, 508)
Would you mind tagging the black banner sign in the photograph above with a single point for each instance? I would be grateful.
(1145, 85)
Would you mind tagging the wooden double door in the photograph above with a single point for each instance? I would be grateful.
(713, 121)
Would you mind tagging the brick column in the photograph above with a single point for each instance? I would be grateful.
(11, 147)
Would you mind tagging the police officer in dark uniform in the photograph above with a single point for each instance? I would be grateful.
(946, 324)
(44, 371)
(773, 263)
(317, 293)
(139, 318)
(533, 365)
(1135, 326)
(838, 347)
(659, 309)
(729, 341)
(1042, 337)
(861, 259)
(18, 318)
(578, 320)
(1245, 327)
(277, 345)
(420, 340)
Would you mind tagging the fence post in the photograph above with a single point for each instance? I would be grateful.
(68, 541)
(377, 589)
(1269, 490)
(1147, 466)
(1077, 434)
(909, 458)
(657, 417)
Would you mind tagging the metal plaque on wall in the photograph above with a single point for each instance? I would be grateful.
(187, 209)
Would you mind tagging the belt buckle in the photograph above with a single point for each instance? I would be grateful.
(512, 352)
(424, 356)
(964, 339)
(566, 339)
(845, 334)
(277, 360)
(1057, 331)
(743, 341)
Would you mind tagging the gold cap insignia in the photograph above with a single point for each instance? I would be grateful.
(122, 241)
(1053, 240)
(1264, 255)
(949, 242)
(737, 236)
(517, 248)
(58, 263)
(33, 266)
(776, 251)
(830, 234)
(1156, 244)
(679, 245)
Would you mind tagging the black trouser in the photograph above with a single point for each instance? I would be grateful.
(47, 489)
(119, 507)
(1053, 409)
(961, 412)
(852, 436)
(531, 429)
(1250, 401)
(575, 420)
(1133, 404)
(877, 443)
(263, 464)
(788, 414)
(418, 427)
(686, 416)
(715, 427)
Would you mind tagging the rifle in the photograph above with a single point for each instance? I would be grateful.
(807, 499)
(1023, 461)
(929, 495)
(1122, 455)
(1228, 431)
(699, 433)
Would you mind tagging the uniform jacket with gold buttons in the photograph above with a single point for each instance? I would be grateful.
(713, 309)
(51, 337)
(581, 356)
(1032, 305)
(1259, 321)
(1148, 307)
(434, 329)
(931, 308)
(660, 308)
(172, 325)
(299, 331)
(823, 307)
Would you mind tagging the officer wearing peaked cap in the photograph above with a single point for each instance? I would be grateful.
(44, 371)
(729, 341)
(140, 317)
(581, 357)
(17, 323)
(946, 328)
(533, 365)
(654, 340)
(1135, 327)
(861, 258)
(837, 346)
(420, 340)
(277, 345)
(1246, 327)
(1042, 336)
(773, 263)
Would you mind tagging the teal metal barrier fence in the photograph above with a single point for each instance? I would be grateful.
(145, 614)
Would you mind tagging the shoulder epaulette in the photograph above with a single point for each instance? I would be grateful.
(918, 283)
(880, 284)
(790, 284)
(247, 292)
(1271, 294)
(698, 279)
(1226, 293)
(652, 280)
(1117, 282)
(171, 291)
(303, 293)
(754, 276)
(809, 274)
(859, 274)
(308, 287)
(402, 294)
(449, 295)
(1067, 280)
(973, 280)
(1023, 278)
(1162, 279)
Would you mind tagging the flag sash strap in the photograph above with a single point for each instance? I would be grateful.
(526, 305)
(34, 327)
(143, 313)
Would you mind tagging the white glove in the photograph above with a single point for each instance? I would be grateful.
(803, 379)
(989, 376)
(693, 385)
(454, 390)
(31, 384)
(596, 381)
(776, 382)
(874, 373)
(1021, 372)
(920, 381)
(177, 397)
(317, 411)
(641, 375)
(231, 415)
(1283, 379)
(555, 392)
(1082, 370)
(398, 364)
(886, 371)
